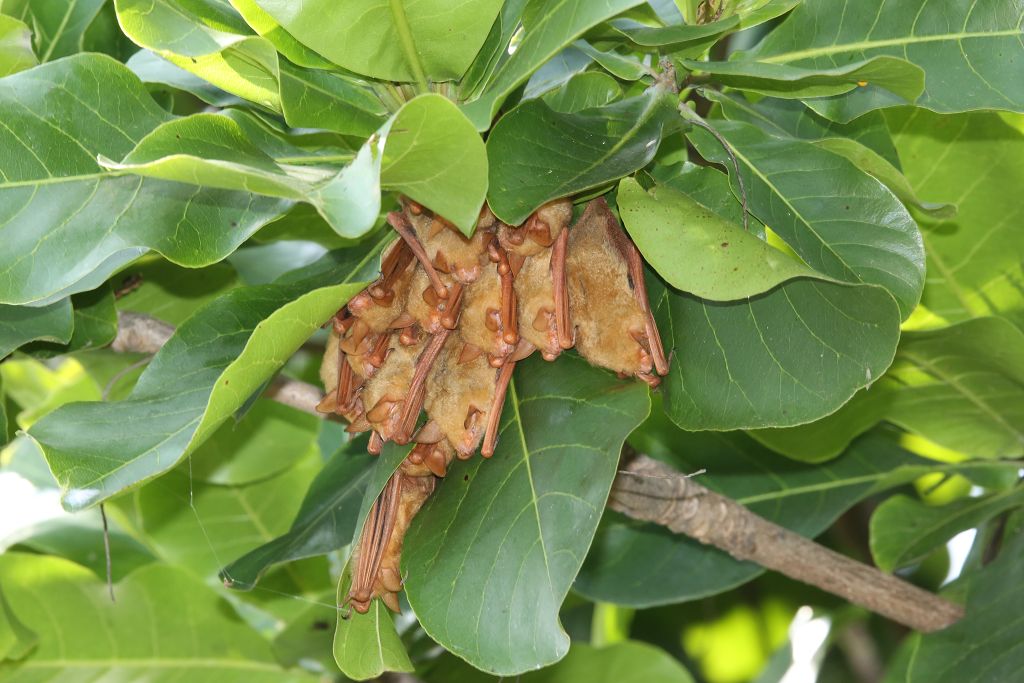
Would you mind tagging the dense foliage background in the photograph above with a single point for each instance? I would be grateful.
(848, 359)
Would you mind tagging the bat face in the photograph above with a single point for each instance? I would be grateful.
(442, 329)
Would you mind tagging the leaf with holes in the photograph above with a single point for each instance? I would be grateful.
(513, 530)
(208, 369)
(965, 50)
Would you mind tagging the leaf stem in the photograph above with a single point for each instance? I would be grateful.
(701, 123)
(408, 45)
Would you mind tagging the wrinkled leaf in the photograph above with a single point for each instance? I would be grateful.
(15, 46)
(905, 530)
(161, 615)
(697, 251)
(965, 50)
(208, 369)
(513, 530)
(963, 387)
(66, 224)
(840, 220)
(545, 155)
(325, 522)
(557, 26)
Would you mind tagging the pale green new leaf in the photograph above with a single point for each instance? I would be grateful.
(15, 46)
(905, 530)
(165, 625)
(205, 372)
(966, 49)
(209, 39)
(394, 40)
(697, 251)
(66, 224)
(513, 530)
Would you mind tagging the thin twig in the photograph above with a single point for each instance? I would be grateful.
(648, 490)
(106, 553)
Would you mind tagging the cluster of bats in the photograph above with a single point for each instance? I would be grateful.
(443, 327)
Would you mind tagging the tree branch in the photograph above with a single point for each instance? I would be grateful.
(648, 490)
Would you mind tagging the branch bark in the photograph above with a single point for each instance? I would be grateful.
(648, 490)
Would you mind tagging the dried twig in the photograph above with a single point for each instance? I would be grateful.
(648, 490)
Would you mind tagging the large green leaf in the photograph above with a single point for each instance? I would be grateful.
(22, 324)
(803, 497)
(265, 25)
(165, 624)
(965, 49)
(209, 39)
(325, 522)
(985, 644)
(963, 387)
(208, 369)
(558, 25)
(840, 220)
(783, 358)
(584, 91)
(905, 530)
(391, 40)
(154, 70)
(320, 99)
(793, 82)
(512, 531)
(171, 293)
(66, 224)
(865, 142)
(540, 154)
(15, 46)
(696, 250)
(685, 40)
(973, 161)
(16, 639)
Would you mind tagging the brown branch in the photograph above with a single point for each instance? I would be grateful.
(648, 490)
(652, 491)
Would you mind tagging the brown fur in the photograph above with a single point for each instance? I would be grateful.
(387, 390)
(461, 257)
(547, 222)
(460, 394)
(481, 302)
(537, 304)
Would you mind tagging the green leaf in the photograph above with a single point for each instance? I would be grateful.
(513, 530)
(828, 437)
(264, 24)
(620, 66)
(153, 69)
(15, 46)
(554, 28)
(60, 27)
(697, 251)
(325, 522)
(756, 12)
(367, 645)
(841, 221)
(684, 39)
(270, 438)
(494, 49)
(963, 387)
(319, 99)
(539, 154)
(965, 50)
(972, 257)
(584, 91)
(985, 644)
(393, 41)
(905, 530)
(165, 624)
(169, 292)
(783, 358)
(785, 118)
(205, 372)
(22, 324)
(66, 224)
(793, 82)
(16, 639)
(806, 498)
(209, 39)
